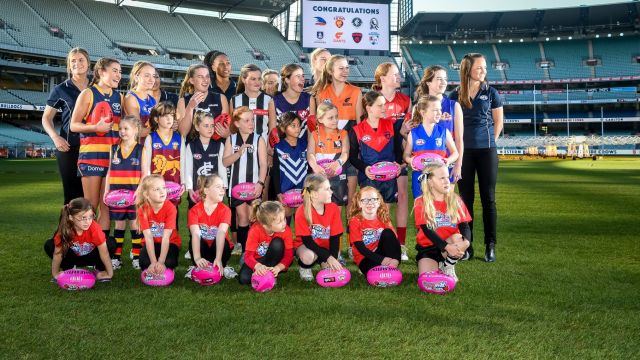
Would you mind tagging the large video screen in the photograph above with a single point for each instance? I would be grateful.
(345, 25)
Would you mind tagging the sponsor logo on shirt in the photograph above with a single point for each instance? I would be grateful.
(320, 232)
(420, 142)
(82, 249)
(262, 248)
(157, 229)
(208, 233)
(370, 236)
(197, 156)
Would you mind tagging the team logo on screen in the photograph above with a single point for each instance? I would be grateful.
(320, 35)
(356, 22)
(373, 24)
(320, 21)
(339, 21)
(374, 38)
(338, 37)
(356, 37)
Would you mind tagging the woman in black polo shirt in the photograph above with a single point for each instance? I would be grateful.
(220, 69)
(63, 97)
(483, 121)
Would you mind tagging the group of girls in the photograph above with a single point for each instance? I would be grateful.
(274, 139)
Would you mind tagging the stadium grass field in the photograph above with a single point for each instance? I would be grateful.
(566, 285)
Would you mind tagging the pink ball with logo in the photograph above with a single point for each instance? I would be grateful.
(419, 162)
(76, 279)
(174, 190)
(333, 278)
(263, 283)
(244, 191)
(292, 198)
(120, 199)
(384, 276)
(163, 279)
(385, 170)
(208, 275)
(325, 163)
(436, 282)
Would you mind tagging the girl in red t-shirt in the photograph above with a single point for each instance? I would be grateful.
(442, 221)
(208, 223)
(157, 221)
(318, 227)
(371, 234)
(80, 241)
(269, 243)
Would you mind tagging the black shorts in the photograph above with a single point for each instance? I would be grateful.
(388, 189)
(339, 189)
(430, 252)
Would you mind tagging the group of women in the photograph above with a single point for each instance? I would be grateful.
(280, 131)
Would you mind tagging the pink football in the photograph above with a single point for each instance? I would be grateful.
(292, 198)
(325, 163)
(385, 170)
(163, 279)
(244, 191)
(419, 162)
(333, 278)
(209, 275)
(76, 279)
(120, 199)
(263, 283)
(174, 190)
(436, 282)
(384, 276)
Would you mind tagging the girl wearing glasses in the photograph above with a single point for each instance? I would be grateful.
(80, 241)
(371, 234)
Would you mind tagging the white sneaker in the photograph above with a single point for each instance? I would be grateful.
(189, 270)
(449, 270)
(187, 255)
(305, 274)
(237, 249)
(403, 253)
(229, 272)
(116, 264)
(350, 252)
(135, 263)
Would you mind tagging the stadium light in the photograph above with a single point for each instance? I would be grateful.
(558, 38)
(608, 35)
(500, 41)
(547, 39)
(597, 36)
(465, 41)
(510, 40)
(476, 41)
(521, 40)
(570, 38)
(621, 34)
(430, 42)
(455, 42)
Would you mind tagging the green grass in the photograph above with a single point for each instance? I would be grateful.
(566, 285)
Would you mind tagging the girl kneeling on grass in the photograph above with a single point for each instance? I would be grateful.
(80, 241)
(157, 221)
(442, 220)
(269, 243)
(318, 227)
(371, 234)
(208, 222)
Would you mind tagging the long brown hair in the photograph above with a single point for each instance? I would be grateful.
(286, 72)
(383, 211)
(311, 183)
(65, 225)
(326, 77)
(101, 65)
(429, 73)
(381, 70)
(74, 51)
(186, 87)
(465, 78)
(159, 110)
(244, 73)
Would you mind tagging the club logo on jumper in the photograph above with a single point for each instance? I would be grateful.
(197, 156)
(339, 21)
(420, 142)
(338, 37)
(82, 249)
(135, 161)
(115, 107)
(370, 236)
(347, 101)
(374, 38)
(175, 145)
(320, 232)
(373, 24)
(439, 142)
(157, 229)
(208, 233)
(484, 97)
(206, 169)
(115, 161)
(320, 144)
(262, 248)
(157, 146)
(445, 116)
(319, 35)
(337, 144)
(285, 156)
(320, 21)
(356, 22)
(366, 138)
(357, 37)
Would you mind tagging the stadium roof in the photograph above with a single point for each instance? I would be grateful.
(577, 20)
(265, 8)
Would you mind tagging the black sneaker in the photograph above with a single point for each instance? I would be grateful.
(468, 255)
(490, 253)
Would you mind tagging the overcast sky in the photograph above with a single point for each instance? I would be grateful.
(499, 5)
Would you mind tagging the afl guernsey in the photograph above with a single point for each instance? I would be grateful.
(448, 114)
(301, 107)
(95, 149)
(293, 164)
(205, 161)
(423, 143)
(398, 107)
(328, 143)
(346, 103)
(145, 108)
(260, 108)
(165, 157)
(124, 173)
(212, 103)
(247, 168)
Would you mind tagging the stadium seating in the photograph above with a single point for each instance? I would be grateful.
(8, 98)
(32, 97)
(19, 135)
(267, 39)
(168, 30)
(434, 55)
(522, 59)
(568, 57)
(29, 30)
(485, 49)
(616, 55)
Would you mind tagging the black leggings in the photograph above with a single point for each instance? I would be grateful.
(170, 262)
(274, 255)
(68, 169)
(209, 252)
(70, 259)
(388, 246)
(484, 162)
